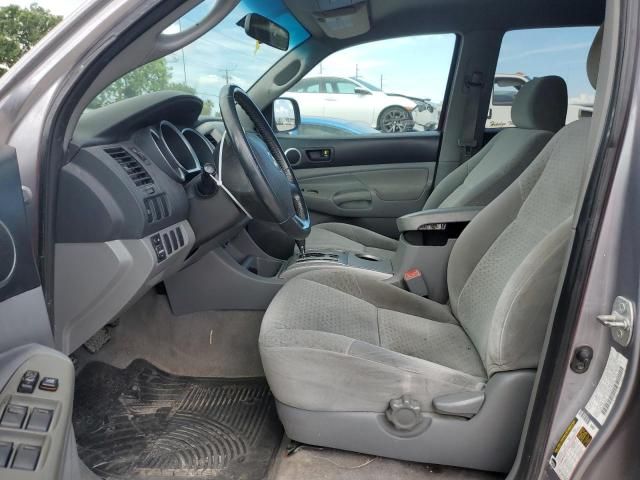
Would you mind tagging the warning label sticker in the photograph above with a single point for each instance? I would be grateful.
(572, 445)
(582, 429)
(605, 394)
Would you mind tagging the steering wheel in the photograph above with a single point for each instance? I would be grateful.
(265, 164)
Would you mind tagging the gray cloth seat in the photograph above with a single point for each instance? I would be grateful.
(328, 327)
(338, 346)
(539, 110)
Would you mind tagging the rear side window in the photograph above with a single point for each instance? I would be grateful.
(526, 54)
(390, 86)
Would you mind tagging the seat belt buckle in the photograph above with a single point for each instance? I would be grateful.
(415, 282)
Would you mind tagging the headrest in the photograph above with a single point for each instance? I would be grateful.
(593, 60)
(541, 104)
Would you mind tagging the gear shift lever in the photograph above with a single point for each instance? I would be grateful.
(301, 247)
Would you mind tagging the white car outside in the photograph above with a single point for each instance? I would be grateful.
(353, 100)
(505, 88)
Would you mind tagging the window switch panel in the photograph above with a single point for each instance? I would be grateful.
(26, 457)
(13, 416)
(5, 453)
(40, 420)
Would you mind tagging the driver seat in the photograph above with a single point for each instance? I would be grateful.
(358, 364)
(539, 111)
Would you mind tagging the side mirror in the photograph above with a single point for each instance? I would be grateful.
(265, 31)
(286, 114)
(361, 91)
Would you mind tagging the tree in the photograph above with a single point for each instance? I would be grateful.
(152, 77)
(21, 29)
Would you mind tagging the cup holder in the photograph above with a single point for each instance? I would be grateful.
(368, 257)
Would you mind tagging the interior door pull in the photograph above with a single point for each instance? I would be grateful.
(320, 154)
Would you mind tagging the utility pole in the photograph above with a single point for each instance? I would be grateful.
(227, 71)
(380, 81)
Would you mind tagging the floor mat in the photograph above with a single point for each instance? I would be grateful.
(141, 422)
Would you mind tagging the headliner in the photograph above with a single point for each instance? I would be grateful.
(397, 18)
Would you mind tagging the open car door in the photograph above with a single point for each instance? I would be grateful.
(36, 382)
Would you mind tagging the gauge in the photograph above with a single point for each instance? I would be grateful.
(177, 149)
(203, 148)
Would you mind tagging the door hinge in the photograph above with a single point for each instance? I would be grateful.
(620, 320)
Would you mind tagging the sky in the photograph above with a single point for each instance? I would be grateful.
(416, 66)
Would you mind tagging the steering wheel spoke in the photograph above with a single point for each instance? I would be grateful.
(265, 164)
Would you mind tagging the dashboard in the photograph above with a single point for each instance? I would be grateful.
(128, 214)
(130, 167)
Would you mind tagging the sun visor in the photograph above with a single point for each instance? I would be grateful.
(342, 18)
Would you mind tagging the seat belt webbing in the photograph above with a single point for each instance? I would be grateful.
(473, 88)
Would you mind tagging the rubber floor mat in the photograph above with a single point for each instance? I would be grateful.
(141, 422)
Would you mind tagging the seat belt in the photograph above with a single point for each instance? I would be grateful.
(468, 142)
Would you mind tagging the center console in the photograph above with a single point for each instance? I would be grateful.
(238, 275)
(314, 259)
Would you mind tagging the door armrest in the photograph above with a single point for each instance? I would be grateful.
(436, 219)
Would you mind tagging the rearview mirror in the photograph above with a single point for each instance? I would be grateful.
(265, 31)
(361, 91)
(286, 114)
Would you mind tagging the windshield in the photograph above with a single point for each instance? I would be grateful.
(223, 55)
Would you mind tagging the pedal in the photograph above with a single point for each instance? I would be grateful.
(99, 340)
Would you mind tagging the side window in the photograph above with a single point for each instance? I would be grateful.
(526, 54)
(342, 86)
(383, 88)
(307, 86)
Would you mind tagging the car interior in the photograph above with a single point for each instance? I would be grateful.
(242, 302)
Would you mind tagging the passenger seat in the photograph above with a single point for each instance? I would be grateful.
(539, 110)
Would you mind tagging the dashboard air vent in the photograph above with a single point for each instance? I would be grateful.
(131, 165)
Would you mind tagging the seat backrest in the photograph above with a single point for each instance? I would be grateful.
(505, 267)
(539, 110)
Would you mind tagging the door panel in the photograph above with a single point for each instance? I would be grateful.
(365, 180)
(366, 191)
(23, 315)
(25, 338)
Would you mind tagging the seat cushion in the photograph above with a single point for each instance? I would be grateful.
(333, 340)
(342, 236)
